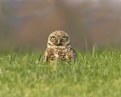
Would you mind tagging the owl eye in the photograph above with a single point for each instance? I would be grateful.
(53, 38)
(64, 38)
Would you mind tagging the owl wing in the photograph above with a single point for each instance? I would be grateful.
(49, 55)
(72, 54)
(45, 57)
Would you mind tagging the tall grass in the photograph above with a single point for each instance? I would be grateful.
(94, 74)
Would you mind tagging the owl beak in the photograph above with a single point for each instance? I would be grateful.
(58, 41)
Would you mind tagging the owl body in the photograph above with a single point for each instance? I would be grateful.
(59, 48)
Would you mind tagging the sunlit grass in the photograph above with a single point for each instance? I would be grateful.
(94, 74)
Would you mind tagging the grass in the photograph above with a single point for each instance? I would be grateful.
(94, 74)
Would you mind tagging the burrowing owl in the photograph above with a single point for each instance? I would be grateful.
(59, 47)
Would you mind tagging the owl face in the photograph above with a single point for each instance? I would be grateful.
(59, 38)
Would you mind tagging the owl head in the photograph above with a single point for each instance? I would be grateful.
(58, 38)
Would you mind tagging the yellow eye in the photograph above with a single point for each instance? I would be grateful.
(53, 38)
(64, 38)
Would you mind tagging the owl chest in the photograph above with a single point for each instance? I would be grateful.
(60, 54)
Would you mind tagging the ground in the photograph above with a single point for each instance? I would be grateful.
(96, 73)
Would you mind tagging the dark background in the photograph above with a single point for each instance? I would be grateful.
(27, 23)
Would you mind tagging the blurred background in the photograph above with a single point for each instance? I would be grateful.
(27, 23)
